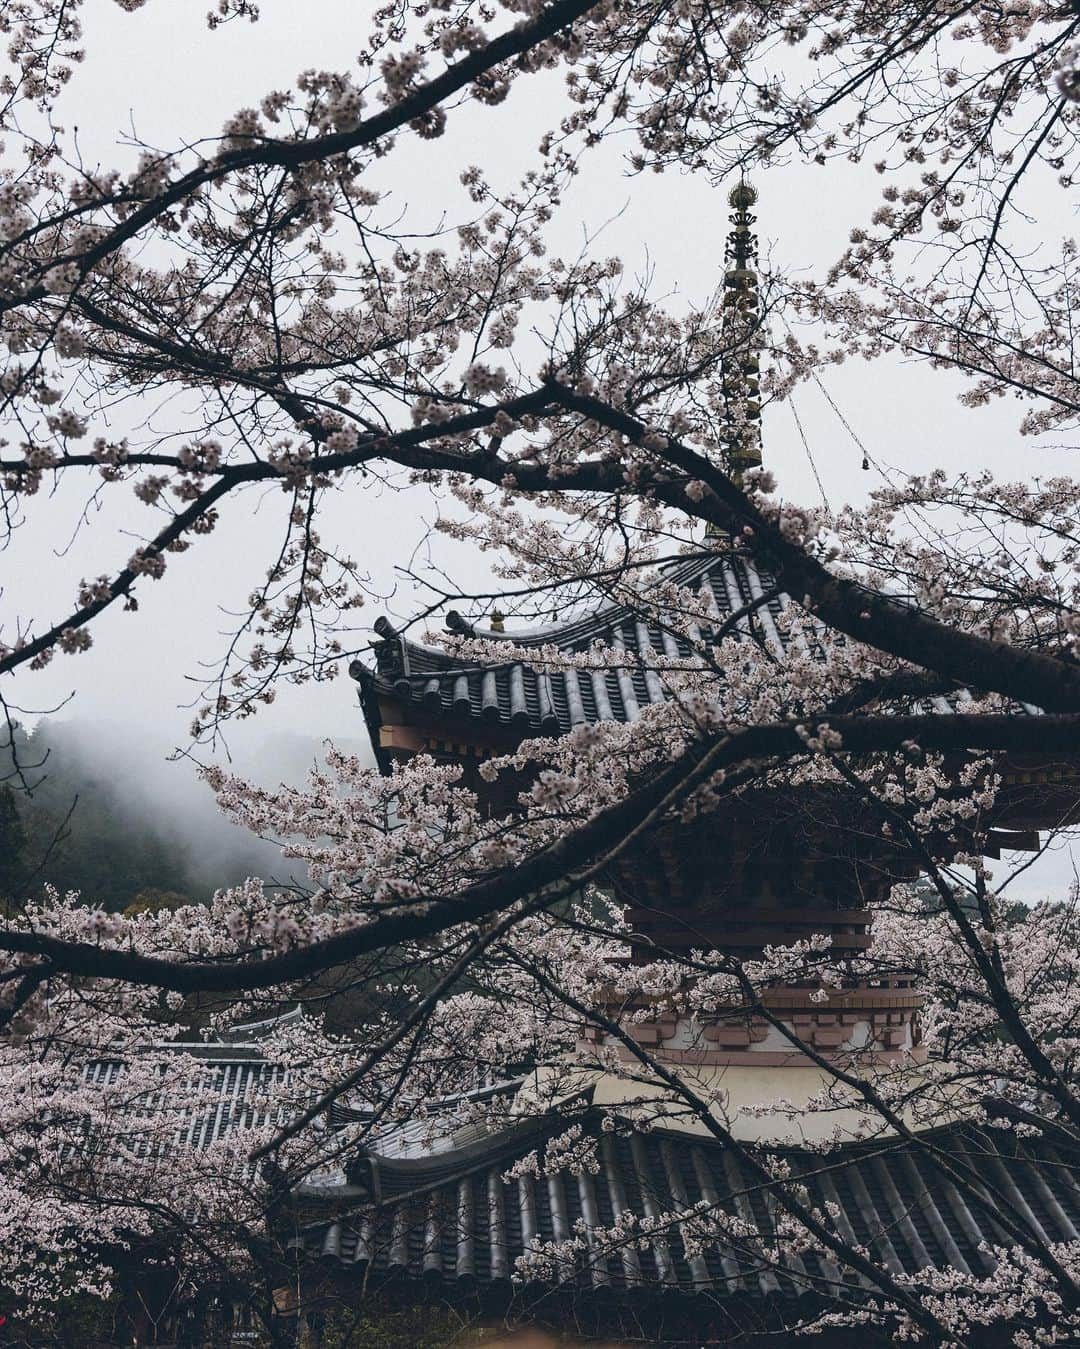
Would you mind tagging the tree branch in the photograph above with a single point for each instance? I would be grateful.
(607, 832)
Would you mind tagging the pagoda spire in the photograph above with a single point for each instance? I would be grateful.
(741, 332)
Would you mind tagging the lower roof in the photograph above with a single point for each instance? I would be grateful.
(458, 1207)
(474, 1227)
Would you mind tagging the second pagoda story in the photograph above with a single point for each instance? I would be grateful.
(767, 852)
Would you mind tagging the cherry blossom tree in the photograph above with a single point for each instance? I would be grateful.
(257, 290)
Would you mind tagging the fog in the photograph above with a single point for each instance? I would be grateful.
(170, 802)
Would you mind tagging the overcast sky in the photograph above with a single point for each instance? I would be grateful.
(160, 74)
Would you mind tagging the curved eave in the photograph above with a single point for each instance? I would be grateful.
(473, 1225)
(367, 681)
(518, 701)
(575, 634)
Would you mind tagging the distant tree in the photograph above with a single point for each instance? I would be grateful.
(12, 846)
(154, 900)
(76, 824)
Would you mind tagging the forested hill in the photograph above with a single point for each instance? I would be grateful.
(109, 817)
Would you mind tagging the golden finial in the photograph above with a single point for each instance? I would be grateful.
(741, 324)
(742, 196)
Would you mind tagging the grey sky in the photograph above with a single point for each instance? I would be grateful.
(158, 71)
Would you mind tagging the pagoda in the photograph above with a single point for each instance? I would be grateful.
(771, 867)
(445, 1208)
(766, 868)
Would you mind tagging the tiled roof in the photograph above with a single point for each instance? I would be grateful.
(516, 696)
(521, 700)
(418, 1204)
(463, 1224)
(229, 1088)
(232, 1086)
(226, 1093)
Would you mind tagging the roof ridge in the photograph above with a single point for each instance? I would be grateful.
(605, 615)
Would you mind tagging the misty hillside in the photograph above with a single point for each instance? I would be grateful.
(109, 815)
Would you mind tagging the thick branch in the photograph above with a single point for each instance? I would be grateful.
(294, 154)
(607, 831)
(902, 630)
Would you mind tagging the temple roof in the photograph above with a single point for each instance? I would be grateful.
(430, 683)
(464, 1223)
(234, 1089)
(514, 696)
(432, 1200)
